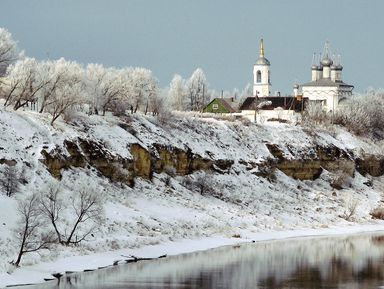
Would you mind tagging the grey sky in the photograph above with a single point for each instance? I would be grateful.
(221, 37)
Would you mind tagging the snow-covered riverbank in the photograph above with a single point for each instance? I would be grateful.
(37, 273)
(242, 195)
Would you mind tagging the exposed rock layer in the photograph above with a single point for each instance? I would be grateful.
(306, 165)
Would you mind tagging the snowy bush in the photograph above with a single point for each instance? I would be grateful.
(200, 183)
(71, 115)
(363, 114)
(314, 113)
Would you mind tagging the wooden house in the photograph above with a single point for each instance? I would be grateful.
(222, 105)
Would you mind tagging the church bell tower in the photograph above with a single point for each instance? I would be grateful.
(261, 74)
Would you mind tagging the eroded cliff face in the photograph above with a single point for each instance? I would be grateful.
(308, 165)
(302, 165)
(82, 153)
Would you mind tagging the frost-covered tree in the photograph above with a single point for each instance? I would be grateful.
(104, 85)
(314, 112)
(247, 91)
(8, 50)
(363, 114)
(154, 99)
(196, 88)
(161, 107)
(70, 93)
(141, 88)
(177, 93)
(95, 75)
(22, 82)
(54, 72)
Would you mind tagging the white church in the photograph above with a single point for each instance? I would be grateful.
(326, 85)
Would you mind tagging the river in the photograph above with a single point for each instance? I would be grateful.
(353, 261)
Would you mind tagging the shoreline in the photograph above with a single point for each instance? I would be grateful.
(35, 274)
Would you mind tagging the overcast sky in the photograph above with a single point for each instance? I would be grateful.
(221, 37)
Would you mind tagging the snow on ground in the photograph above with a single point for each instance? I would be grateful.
(156, 217)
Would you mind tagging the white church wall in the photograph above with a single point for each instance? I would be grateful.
(265, 115)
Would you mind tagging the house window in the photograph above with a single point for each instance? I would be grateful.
(258, 76)
(215, 106)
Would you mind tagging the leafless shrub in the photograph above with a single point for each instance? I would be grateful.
(187, 182)
(164, 116)
(10, 180)
(350, 209)
(377, 213)
(171, 172)
(245, 121)
(118, 108)
(203, 183)
(70, 115)
(342, 180)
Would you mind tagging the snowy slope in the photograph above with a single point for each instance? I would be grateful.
(155, 211)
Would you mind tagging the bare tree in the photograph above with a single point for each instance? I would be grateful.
(87, 207)
(29, 234)
(10, 181)
(52, 206)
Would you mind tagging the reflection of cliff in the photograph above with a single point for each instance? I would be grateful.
(343, 262)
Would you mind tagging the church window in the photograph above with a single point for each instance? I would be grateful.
(258, 76)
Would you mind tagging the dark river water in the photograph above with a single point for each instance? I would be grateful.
(354, 261)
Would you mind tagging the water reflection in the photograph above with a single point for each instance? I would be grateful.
(329, 262)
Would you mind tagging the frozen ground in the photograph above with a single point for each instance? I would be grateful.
(159, 217)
